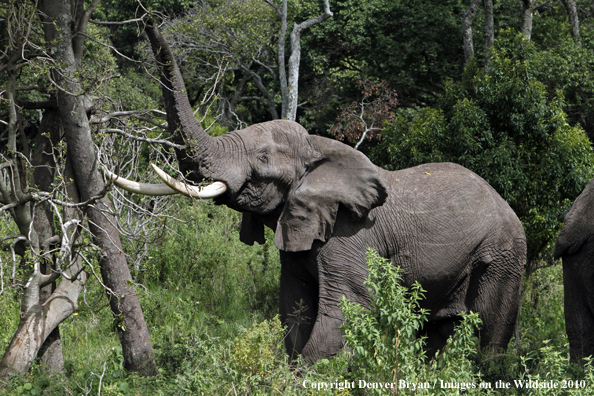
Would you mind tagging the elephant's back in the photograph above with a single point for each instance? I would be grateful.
(445, 219)
(449, 188)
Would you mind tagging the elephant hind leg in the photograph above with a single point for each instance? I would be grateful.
(437, 333)
(579, 318)
(494, 293)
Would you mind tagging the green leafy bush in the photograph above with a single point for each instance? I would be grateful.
(204, 256)
(254, 350)
(384, 343)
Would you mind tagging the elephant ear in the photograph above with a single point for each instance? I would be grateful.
(340, 175)
(252, 229)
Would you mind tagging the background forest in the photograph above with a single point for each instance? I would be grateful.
(504, 88)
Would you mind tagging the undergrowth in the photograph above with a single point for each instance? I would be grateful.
(211, 303)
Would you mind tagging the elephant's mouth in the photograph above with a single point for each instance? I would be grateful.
(256, 198)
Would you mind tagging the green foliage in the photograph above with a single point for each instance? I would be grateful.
(565, 65)
(384, 341)
(204, 251)
(9, 312)
(401, 42)
(254, 350)
(385, 334)
(506, 127)
(125, 37)
(555, 374)
(240, 28)
(542, 292)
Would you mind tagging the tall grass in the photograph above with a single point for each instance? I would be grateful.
(211, 302)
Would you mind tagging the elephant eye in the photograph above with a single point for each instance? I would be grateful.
(263, 158)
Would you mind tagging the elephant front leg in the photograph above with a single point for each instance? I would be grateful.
(326, 338)
(310, 293)
(298, 301)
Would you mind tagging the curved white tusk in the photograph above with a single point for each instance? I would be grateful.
(211, 191)
(139, 188)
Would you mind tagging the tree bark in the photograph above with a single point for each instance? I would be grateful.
(131, 328)
(527, 15)
(467, 19)
(39, 320)
(282, 72)
(44, 306)
(44, 165)
(489, 32)
(571, 7)
(290, 85)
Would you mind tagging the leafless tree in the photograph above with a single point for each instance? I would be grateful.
(138, 218)
(365, 119)
(467, 19)
(527, 16)
(571, 6)
(55, 192)
(290, 84)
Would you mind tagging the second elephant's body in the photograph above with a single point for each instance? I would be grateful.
(575, 245)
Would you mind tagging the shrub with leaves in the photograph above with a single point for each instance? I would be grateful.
(384, 343)
(255, 349)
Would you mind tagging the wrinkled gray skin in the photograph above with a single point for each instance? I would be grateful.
(575, 245)
(328, 203)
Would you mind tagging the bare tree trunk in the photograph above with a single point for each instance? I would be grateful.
(290, 86)
(132, 330)
(571, 7)
(41, 309)
(527, 14)
(467, 19)
(282, 72)
(489, 32)
(44, 166)
(39, 321)
(295, 59)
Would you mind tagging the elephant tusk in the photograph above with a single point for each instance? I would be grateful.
(211, 191)
(139, 188)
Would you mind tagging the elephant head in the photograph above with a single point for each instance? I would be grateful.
(274, 172)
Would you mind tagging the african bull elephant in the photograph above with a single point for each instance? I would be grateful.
(576, 247)
(328, 203)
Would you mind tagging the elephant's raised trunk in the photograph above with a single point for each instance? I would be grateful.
(185, 128)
